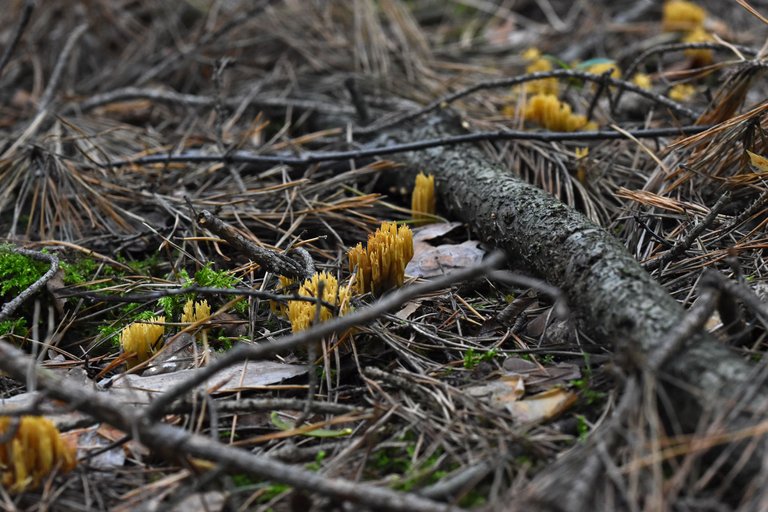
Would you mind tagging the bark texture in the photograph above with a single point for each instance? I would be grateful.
(613, 298)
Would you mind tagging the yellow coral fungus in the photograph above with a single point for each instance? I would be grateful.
(537, 63)
(700, 57)
(423, 198)
(581, 152)
(302, 313)
(682, 92)
(531, 54)
(140, 339)
(553, 114)
(381, 265)
(602, 67)
(284, 283)
(33, 453)
(195, 312)
(642, 80)
(682, 16)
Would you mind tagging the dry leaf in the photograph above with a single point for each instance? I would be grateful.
(541, 407)
(760, 162)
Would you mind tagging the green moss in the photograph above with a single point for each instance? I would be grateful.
(18, 272)
(16, 326)
(472, 358)
(208, 277)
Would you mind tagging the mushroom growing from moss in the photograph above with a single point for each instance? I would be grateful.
(302, 313)
(140, 339)
(381, 264)
(34, 452)
(423, 198)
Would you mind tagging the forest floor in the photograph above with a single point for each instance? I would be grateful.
(173, 173)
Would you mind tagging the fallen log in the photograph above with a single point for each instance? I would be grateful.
(613, 299)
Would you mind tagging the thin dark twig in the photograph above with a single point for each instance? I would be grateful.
(310, 158)
(679, 248)
(676, 47)
(194, 100)
(58, 69)
(744, 216)
(358, 101)
(270, 404)
(602, 86)
(317, 332)
(743, 292)
(202, 290)
(11, 306)
(26, 14)
(221, 66)
(272, 261)
(508, 82)
(687, 328)
(556, 294)
(311, 357)
(50, 90)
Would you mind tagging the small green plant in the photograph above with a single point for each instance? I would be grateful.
(318, 463)
(273, 491)
(582, 427)
(590, 395)
(472, 358)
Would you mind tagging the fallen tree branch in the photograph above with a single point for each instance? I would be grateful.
(612, 297)
(313, 157)
(174, 442)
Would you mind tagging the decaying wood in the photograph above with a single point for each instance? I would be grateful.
(613, 298)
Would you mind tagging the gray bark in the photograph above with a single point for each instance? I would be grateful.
(612, 297)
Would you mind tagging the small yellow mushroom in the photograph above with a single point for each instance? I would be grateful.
(682, 16)
(602, 67)
(682, 92)
(543, 85)
(195, 312)
(549, 112)
(302, 313)
(423, 198)
(34, 452)
(140, 339)
(381, 264)
(701, 57)
(642, 80)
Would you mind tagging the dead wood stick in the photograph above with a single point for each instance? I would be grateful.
(611, 295)
(26, 14)
(272, 261)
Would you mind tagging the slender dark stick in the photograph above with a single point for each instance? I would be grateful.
(683, 245)
(272, 261)
(310, 158)
(444, 101)
(26, 14)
